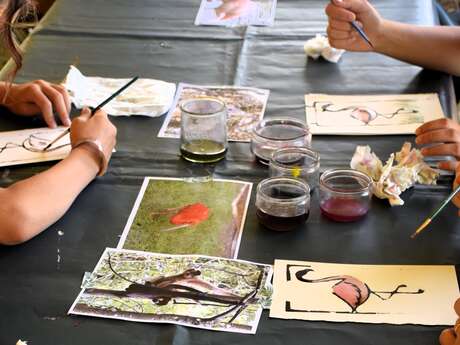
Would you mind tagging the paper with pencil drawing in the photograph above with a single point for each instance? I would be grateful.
(391, 294)
(26, 146)
(370, 115)
(147, 97)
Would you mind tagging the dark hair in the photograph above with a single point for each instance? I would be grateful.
(14, 11)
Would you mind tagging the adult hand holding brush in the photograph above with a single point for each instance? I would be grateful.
(402, 41)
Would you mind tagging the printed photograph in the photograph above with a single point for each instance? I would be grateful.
(236, 12)
(178, 216)
(197, 291)
(245, 108)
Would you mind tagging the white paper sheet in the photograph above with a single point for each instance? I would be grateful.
(147, 97)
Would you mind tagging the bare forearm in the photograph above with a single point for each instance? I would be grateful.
(31, 205)
(431, 47)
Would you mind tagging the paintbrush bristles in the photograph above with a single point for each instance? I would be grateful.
(63, 134)
(421, 228)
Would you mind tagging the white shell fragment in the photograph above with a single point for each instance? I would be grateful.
(391, 180)
(319, 46)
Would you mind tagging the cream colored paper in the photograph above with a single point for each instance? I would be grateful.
(26, 146)
(370, 115)
(426, 294)
(147, 97)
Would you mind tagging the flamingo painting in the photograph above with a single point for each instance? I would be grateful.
(349, 289)
(362, 113)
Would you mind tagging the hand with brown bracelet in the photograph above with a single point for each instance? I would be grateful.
(96, 134)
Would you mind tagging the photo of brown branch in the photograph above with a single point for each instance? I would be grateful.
(197, 291)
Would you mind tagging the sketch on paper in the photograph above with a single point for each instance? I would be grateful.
(364, 293)
(197, 291)
(236, 12)
(26, 146)
(180, 216)
(373, 115)
(245, 107)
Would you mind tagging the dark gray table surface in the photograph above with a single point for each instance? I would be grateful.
(157, 39)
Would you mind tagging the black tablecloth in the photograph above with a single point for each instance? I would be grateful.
(157, 39)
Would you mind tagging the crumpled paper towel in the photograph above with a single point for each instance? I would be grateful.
(148, 97)
(391, 180)
(319, 46)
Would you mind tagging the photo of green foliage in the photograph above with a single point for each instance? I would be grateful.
(205, 292)
(177, 216)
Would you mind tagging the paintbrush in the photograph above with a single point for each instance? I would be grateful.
(361, 33)
(436, 213)
(120, 90)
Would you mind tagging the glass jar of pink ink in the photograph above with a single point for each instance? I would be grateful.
(345, 194)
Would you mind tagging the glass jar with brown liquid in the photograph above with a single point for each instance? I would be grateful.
(282, 203)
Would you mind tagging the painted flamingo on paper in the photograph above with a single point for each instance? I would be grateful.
(349, 289)
(361, 113)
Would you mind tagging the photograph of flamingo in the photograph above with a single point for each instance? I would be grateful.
(370, 115)
(364, 293)
(188, 216)
(233, 13)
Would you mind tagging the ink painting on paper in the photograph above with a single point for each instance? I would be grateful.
(364, 293)
(370, 115)
(27, 146)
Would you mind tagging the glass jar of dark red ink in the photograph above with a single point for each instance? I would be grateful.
(345, 194)
(282, 203)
